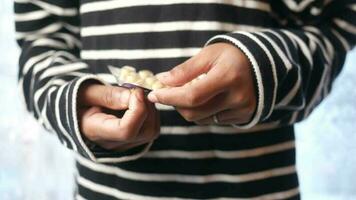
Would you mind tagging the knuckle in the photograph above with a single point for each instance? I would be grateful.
(192, 100)
(241, 100)
(244, 100)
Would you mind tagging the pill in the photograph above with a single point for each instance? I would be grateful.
(123, 76)
(150, 80)
(124, 72)
(132, 78)
(140, 83)
(143, 78)
(157, 85)
(128, 68)
(145, 73)
(147, 86)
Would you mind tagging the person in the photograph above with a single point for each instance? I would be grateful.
(230, 135)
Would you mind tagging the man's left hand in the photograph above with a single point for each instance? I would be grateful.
(226, 92)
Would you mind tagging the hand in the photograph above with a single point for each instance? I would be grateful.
(227, 91)
(138, 125)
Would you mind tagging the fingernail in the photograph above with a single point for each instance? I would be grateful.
(123, 97)
(152, 97)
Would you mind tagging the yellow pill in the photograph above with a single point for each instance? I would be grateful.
(131, 79)
(132, 74)
(128, 68)
(147, 86)
(145, 73)
(124, 72)
(157, 85)
(140, 82)
(150, 80)
(122, 77)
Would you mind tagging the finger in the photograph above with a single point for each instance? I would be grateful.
(193, 94)
(215, 105)
(150, 128)
(158, 123)
(232, 116)
(97, 125)
(148, 132)
(116, 98)
(134, 117)
(186, 71)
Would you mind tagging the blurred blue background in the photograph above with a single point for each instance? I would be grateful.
(34, 166)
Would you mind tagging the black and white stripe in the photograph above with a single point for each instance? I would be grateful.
(296, 49)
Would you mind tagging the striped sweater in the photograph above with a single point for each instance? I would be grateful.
(296, 49)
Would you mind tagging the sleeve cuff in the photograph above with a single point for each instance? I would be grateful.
(93, 153)
(263, 75)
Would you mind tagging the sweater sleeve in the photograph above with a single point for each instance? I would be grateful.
(51, 71)
(295, 64)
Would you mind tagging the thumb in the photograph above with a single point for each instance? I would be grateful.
(185, 72)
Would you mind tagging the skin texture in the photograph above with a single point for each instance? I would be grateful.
(138, 125)
(226, 91)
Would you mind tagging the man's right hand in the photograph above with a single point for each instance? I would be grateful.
(140, 123)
